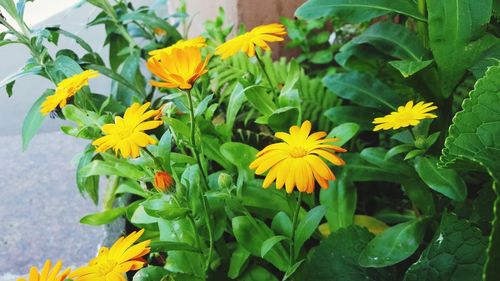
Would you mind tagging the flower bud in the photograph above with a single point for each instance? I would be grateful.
(163, 181)
(225, 181)
(421, 143)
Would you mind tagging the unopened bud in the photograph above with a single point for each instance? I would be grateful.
(163, 181)
(225, 181)
(420, 143)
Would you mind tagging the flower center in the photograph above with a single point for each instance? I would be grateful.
(298, 152)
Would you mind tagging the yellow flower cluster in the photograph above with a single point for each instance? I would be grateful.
(110, 264)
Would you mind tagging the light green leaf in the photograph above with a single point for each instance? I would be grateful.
(393, 245)
(344, 133)
(355, 11)
(89, 185)
(283, 118)
(238, 261)
(33, 120)
(202, 107)
(150, 273)
(25, 71)
(165, 246)
(409, 67)
(261, 100)
(257, 273)
(107, 168)
(270, 243)
(454, 27)
(240, 155)
(103, 217)
(307, 226)
(445, 181)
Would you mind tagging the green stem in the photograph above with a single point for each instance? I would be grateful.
(157, 162)
(422, 26)
(294, 228)
(204, 200)
(109, 197)
(262, 66)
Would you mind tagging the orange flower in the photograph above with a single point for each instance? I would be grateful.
(163, 181)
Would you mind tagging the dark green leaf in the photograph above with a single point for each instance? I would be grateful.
(283, 118)
(393, 245)
(360, 115)
(239, 259)
(409, 67)
(307, 226)
(258, 273)
(340, 199)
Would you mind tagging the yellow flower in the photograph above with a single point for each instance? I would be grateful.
(198, 42)
(127, 134)
(46, 274)
(256, 37)
(179, 69)
(112, 264)
(298, 160)
(66, 89)
(408, 115)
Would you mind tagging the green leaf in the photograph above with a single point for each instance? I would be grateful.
(454, 28)
(150, 273)
(364, 90)
(283, 118)
(34, 119)
(129, 70)
(355, 11)
(165, 246)
(270, 243)
(307, 226)
(132, 187)
(457, 253)
(252, 233)
(164, 149)
(200, 109)
(238, 261)
(90, 184)
(340, 199)
(10, 7)
(419, 194)
(393, 245)
(336, 258)
(282, 224)
(108, 168)
(25, 71)
(68, 34)
(240, 155)
(409, 67)
(258, 273)
(153, 21)
(322, 57)
(473, 136)
(103, 217)
(118, 78)
(67, 66)
(398, 149)
(353, 114)
(344, 133)
(235, 102)
(391, 39)
(260, 99)
(445, 181)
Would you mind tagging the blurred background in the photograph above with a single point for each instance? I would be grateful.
(40, 182)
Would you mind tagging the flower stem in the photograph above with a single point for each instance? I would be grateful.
(262, 66)
(204, 200)
(294, 228)
(422, 26)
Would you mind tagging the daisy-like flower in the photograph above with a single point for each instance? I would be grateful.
(66, 89)
(178, 69)
(299, 160)
(127, 135)
(198, 42)
(408, 115)
(112, 264)
(47, 274)
(256, 37)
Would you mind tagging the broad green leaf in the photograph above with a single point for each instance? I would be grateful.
(257, 273)
(445, 181)
(103, 217)
(409, 67)
(336, 258)
(164, 149)
(344, 132)
(25, 71)
(376, 156)
(374, 225)
(80, 116)
(107, 168)
(340, 199)
(235, 102)
(355, 11)
(473, 136)
(488, 58)
(240, 155)
(364, 90)
(87, 184)
(261, 100)
(153, 22)
(419, 194)
(322, 57)
(67, 66)
(454, 28)
(307, 226)
(283, 118)
(118, 78)
(255, 197)
(398, 149)
(129, 70)
(132, 187)
(353, 114)
(270, 243)
(457, 253)
(252, 233)
(393, 245)
(165, 246)
(282, 224)
(202, 107)
(150, 273)
(391, 39)
(238, 261)
(33, 120)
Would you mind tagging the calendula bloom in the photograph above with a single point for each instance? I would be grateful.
(47, 274)
(66, 89)
(198, 42)
(408, 115)
(163, 181)
(112, 264)
(178, 69)
(256, 37)
(127, 135)
(299, 160)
